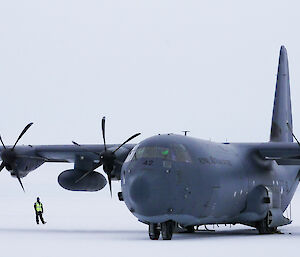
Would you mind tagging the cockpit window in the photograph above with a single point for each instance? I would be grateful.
(181, 153)
(152, 152)
(175, 152)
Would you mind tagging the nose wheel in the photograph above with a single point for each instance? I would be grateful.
(166, 229)
(154, 231)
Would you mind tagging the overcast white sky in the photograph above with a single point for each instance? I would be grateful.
(148, 66)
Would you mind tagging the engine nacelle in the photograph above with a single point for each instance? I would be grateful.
(24, 166)
(92, 182)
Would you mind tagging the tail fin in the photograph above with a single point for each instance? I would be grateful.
(282, 111)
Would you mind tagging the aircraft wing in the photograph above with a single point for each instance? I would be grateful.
(62, 153)
(86, 158)
(69, 153)
(20, 160)
(282, 153)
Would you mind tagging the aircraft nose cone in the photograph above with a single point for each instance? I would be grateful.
(149, 193)
(139, 190)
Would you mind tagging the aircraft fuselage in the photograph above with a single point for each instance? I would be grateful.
(210, 183)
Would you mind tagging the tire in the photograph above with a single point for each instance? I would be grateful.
(264, 229)
(154, 232)
(167, 229)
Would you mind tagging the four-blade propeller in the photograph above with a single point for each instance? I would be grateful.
(9, 156)
(107, 157)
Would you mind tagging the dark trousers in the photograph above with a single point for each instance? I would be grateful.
(38, 215)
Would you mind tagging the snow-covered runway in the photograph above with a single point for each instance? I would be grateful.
(93, 224)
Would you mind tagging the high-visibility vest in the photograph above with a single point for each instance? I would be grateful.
(38, 206)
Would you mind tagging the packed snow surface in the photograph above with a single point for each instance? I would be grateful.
(93, 224)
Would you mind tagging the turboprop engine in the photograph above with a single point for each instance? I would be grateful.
(75, 180)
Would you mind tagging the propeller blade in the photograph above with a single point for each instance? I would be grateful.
(103, 132)
(109, 182)
(75, 143)
(2, 142)
(17, 174)
(22, 133)
(86, 150)
(2, 166)
(132, 137)
(83, 176)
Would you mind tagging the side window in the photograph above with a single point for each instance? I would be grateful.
(146, 152)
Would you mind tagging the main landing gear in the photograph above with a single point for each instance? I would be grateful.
(263, 226)
(166, 229)
(190, 229)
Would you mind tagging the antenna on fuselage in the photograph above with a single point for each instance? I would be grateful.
(185, 132)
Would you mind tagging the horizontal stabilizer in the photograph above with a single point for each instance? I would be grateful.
(286, 161)
(282, 153)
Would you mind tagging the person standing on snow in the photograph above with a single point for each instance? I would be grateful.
(38, 207)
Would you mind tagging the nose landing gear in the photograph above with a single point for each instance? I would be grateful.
(154, 231)
(166, 228)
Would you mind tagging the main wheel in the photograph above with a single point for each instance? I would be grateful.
(154, 231)
(167, 229)
(263, 226)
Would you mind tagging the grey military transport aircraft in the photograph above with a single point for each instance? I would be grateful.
(171, 181)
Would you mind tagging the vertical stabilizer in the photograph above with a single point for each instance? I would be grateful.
(282, 111)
